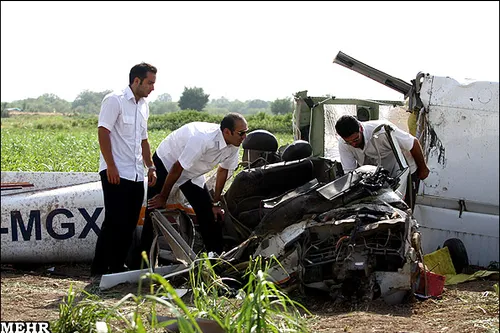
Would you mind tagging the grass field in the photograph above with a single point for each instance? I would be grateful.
(62, 144)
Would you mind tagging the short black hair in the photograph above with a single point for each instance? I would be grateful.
(346, 126)
(229, 121)
(141, 71)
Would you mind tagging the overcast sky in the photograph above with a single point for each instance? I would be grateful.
(242, 50)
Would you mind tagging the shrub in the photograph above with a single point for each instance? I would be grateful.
(261, 120)
(174, 120)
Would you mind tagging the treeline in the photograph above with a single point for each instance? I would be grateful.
(89, 102)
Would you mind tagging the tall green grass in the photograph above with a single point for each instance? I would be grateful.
(69, 144)
(259, 306)
(49, 150)
(79, 316)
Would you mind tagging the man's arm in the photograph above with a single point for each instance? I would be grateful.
(347, 158)
(105, 146)
(159, 200)
(418, 156)
(148, 161)
(220, 181)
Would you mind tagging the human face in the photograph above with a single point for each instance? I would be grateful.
(355, 140)
(239, 134)
(147, 85)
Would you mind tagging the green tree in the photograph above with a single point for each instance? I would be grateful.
(164, 98)
(281, 106)
(160, 107)
(43, 103)
(49, 98)
(5, 113)
(89, 101)
(221, 103)
(258, 104)
(236, 106)
(193, 99)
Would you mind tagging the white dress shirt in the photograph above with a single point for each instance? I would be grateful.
(127, 122)
(350, 156)
(199, 147)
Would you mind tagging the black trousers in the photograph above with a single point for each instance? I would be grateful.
(122, 207)
(199, 198)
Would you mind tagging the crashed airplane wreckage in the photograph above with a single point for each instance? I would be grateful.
(353, 235)
(349, 234)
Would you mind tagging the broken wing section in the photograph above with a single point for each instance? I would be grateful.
(458, 128)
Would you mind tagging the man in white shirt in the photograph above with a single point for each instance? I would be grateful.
(356, 148)
(183, 158)
(124, 150)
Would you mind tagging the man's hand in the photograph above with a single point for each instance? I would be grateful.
(113, 175)
(418, 155)
(218, 213)
(151, 177)
(423, 172)
(158, 201)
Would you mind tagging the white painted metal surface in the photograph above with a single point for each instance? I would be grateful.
(289, 266)
(276, 243)
(394, 285)
(462, 153)
(478, 232)
(466, 126)
(51, 225)
(59, 217)
(46, 180)
(55, 220)
(110, 280)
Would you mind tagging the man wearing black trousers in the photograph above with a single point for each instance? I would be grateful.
(183, 158)
(124, 150)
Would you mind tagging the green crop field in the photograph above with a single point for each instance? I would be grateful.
(62, 144)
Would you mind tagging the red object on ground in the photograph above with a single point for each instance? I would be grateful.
(435, 284)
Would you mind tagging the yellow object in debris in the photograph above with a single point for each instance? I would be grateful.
(412, 123)
(459, 278)
(439, 262)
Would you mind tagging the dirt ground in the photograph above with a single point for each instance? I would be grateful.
(30, 293)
